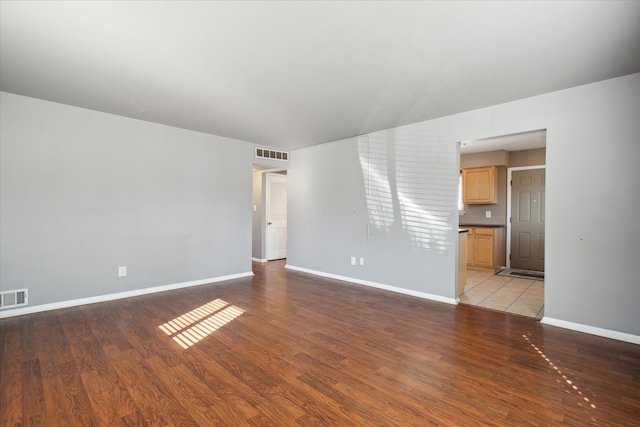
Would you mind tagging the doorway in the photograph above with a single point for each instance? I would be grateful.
(503, 287)
(262, 250)
(276, 216)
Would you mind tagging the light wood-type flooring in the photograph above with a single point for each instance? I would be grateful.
(285, 348)
(513, 295)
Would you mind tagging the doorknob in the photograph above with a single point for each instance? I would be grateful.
(269, 223)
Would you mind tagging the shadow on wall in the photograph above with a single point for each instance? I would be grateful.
(406, 191)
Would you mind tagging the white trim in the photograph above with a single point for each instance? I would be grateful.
(508, 237)
(258, 259)
(119, 295)
(418, 294)
(272, 170)
(606, 333)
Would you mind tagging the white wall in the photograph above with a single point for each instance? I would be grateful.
(83, 192)
(593, 234)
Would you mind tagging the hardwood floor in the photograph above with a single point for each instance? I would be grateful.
(285, 348)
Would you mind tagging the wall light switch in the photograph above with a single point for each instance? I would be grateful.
(361, 261)
(487, 214)
(255, 208)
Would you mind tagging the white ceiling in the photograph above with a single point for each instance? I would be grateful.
(293, 74)
(513, 142)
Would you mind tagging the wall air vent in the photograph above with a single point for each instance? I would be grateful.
(264, 153)
(10, 299)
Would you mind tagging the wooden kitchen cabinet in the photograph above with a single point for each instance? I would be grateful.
(485, 246)
(480, 186)
(462, 262)
(471, 258)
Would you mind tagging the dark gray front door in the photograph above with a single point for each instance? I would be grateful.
(527, 219)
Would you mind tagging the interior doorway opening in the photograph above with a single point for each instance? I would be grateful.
(276, 216)
(490, 281)
(269, 228)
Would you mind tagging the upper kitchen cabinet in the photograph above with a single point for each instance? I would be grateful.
(480, 186)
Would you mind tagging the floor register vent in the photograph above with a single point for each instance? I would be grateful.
(17, 298)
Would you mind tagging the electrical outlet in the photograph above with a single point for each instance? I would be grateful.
(122, 271)
(353, 260)
(361, 261)
(487, 214)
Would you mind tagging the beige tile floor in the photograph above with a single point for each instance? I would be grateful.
(509, 294)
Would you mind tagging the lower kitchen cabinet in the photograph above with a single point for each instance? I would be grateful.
(471, 254)
(485, 247)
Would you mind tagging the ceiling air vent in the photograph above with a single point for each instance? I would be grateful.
(17, 298)
(264, 153)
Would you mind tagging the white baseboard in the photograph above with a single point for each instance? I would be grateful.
(606, 333)
(258, 260)
(418, 294)
(120, 295)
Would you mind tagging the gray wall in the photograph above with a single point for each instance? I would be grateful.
(400, 183)
(534, 157)
(257, 247)
(84, 192)
(592, 244)
(484, 158)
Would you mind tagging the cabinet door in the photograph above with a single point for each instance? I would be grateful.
(479, 185)
(484, 249)
(470, 248)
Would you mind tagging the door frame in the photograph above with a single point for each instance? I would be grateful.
(509, 190)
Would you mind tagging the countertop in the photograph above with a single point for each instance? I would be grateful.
(484, 225)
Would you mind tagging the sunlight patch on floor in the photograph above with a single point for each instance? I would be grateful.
(194, 326)
(565, 379)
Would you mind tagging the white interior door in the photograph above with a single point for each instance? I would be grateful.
(276, 216)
